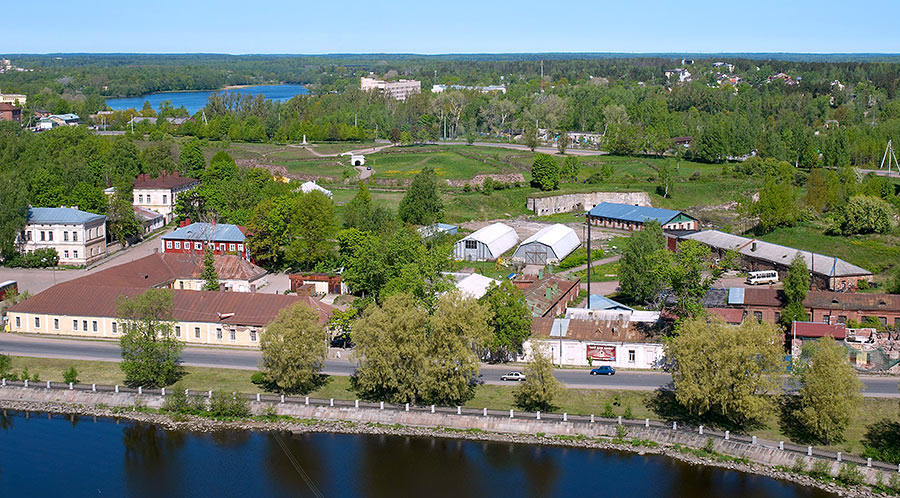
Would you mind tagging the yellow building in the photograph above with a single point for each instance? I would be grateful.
(86, 307)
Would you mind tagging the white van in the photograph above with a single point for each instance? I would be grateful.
(762, 277)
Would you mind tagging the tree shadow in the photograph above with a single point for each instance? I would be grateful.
(882, 441)
(788, 423)
(665, 405)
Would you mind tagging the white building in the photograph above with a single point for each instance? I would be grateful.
(159, 194)
(486, 244)
(618, 343)
(549, 245)
(474, 285)
(482, 89)
(397, 90)
(308, 187)
(79, 237)
(16, 99)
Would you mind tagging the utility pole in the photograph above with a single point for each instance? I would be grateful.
(587, 217)
(888, 156)
(542, 76)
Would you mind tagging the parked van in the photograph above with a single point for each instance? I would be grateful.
(762, 277)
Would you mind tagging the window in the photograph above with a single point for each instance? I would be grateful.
(196, 332)
(50, 235)
(198, 246)
(84, 325)
(56, 324)
(94, 325)
(115, 328)
(74, 236)
(37, 322)
(232, 334)
(168, 244)
(141, 198)
(882, 320)
(218, 333)
(165, 198)
(757, 315)
(222, 247)
(177, 244)
(241, 247)
(65, 236)
(75, 254)
(181, 283)
(253, 335)
(42, 236)
(471, 244)
(18, 322)
(28, 235)
(631, 355)
(66, 254)
(178, 331)
(231, 247)
(842, 319)
(75, 325)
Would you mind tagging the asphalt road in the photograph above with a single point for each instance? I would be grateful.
(45, 347)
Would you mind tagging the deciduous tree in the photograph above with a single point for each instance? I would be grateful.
(422, 203)
(721, 370)
(150, 350)
(313, 228)
(13, 211)
(540, 387)
(510, 322)
(796, 287)
(545, 172)
(829, 392)
(293, 347)
(642, 267)
(190, 161)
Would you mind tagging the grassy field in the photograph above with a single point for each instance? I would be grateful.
(498, 397)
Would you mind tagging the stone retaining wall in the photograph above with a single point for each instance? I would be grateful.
(566, 203)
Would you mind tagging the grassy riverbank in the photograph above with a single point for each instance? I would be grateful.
(601, 402)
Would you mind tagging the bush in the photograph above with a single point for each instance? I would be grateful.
(70, 376)
(628, 414)
(223, 404)
(799, 465)
(850, 475)
(177, 402)
(39, 258)
(608, 411)
(5, 363)
(821, 469)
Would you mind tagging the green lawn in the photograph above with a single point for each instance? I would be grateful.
(497, 397)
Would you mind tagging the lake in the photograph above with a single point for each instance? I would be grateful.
(76, 456)
(195, 100)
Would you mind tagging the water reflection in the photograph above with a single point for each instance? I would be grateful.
(132, 459)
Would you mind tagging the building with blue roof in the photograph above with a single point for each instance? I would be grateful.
(222, 238)
(78, 237)
(629, 217)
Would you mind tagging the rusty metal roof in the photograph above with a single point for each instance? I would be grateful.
(542, 295)
(852, 301)
(593, 330)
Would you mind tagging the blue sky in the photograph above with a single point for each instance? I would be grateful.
(459, 26)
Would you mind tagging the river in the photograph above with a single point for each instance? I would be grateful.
(195, 100)
(43, 455)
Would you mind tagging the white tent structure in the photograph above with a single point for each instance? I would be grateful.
(486, 244)
(475, 285)
(550, 245)
(308, 187)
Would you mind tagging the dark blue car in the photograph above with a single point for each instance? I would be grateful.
(603, 370)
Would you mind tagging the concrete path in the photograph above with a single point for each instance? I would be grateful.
(246, 359)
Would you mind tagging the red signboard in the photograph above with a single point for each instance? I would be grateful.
(601, 353)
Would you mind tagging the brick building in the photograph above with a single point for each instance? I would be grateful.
(9, 112)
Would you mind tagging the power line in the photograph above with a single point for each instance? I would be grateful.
(312, 486)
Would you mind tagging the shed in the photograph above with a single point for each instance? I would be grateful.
(486, 244)
(437, 229)
(475, 285)
(550, 245)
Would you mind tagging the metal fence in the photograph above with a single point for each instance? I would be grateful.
(807, 451)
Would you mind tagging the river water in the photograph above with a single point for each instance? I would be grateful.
(196, 100)
(43, 455)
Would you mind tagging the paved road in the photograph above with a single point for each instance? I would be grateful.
(44, 347)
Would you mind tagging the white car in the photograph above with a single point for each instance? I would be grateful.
(513, 376)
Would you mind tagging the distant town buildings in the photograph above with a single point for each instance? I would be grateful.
(788, 80)
(78, 237)
(54, 120)
(397, 90)
(482, 89)
(9, 112)
(682, 74)
(317, 284)
(308, 187)
(160, 194)
(222, 238)
(16, 99)
(6, 66)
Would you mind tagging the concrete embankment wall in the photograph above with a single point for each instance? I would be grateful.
(762, 452)
(566, 203)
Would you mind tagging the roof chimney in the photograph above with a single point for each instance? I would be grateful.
(753, 246)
